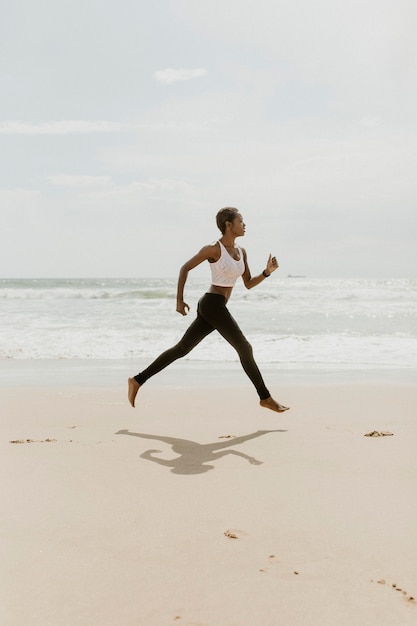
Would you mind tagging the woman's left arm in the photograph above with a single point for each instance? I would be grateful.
(251, 281)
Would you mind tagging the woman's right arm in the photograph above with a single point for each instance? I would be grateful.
(205, 254)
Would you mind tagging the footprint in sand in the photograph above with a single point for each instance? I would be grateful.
(272, 560)
(48, 440)
(234, 533)
(33, 440)
(394, 586)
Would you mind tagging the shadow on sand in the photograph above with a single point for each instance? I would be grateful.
(194, 457)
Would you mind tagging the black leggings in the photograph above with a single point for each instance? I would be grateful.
(212, 314)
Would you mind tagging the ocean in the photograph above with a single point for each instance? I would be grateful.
(292, 322)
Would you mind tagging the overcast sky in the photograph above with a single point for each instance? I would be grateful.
(125, 125)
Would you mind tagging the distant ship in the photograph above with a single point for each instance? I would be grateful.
(294, 276)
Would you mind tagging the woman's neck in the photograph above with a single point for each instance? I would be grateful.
(228, 242)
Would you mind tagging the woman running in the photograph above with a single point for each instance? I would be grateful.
(227, 262)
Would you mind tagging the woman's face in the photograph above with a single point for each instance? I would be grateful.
(238, 226)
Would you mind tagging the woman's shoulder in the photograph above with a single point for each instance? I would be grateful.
(213, 251)
(210, 252)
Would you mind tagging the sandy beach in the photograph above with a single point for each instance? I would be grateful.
(199, 508)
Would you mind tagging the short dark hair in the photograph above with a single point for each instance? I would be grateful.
(227, 214)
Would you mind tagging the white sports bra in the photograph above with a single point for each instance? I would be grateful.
(226, 270)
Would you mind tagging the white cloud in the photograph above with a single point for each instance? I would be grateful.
(64, 127)
(79, 182)
(371, 121)
(16, 199)
(167, 190)
(79, 127)
(170, 75)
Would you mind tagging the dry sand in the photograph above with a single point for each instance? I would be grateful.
(199, 508)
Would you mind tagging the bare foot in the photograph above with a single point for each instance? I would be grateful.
(270, 403)
(132, 389)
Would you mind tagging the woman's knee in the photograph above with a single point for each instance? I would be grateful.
(183, 347)
(243, 347)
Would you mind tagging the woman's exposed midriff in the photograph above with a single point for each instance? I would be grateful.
(222, 291)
